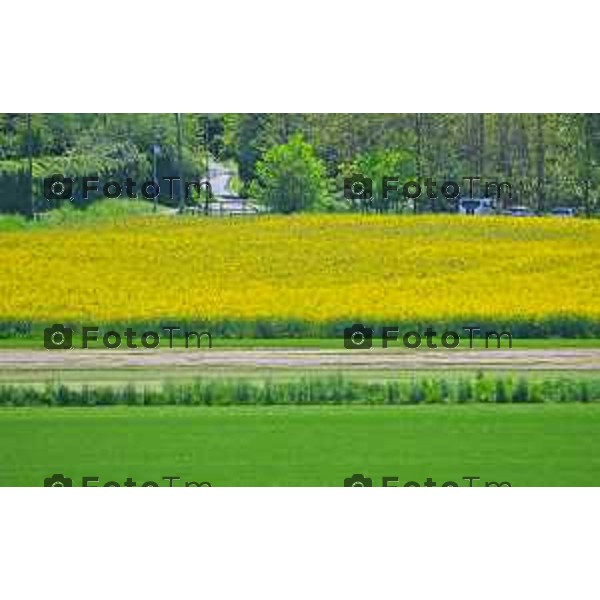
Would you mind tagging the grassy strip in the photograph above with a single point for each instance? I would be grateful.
(244, 332)
(68, 214)
(524, 444)
(314, 391)
(35, 341)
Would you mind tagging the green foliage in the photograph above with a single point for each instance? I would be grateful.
(69, 214)
(12, 222)
(292, 329)
(112, 147)
(520, 392)
(15, 197)
(382, 163)
(464, 392)
(550, 159)
(247, 137)
(502, 394)
(314, 390)
(291, 178)
(103, 210)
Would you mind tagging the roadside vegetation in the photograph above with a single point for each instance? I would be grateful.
(298, 162)
(315, 390)
(67, 214)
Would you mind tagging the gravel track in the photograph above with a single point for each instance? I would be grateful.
(530, 360)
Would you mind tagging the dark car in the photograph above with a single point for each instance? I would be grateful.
(563, 211)
(520, 211)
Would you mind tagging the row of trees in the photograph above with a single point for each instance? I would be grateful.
(112, 146)
(549, 159)
(298, 161)
(63, 133)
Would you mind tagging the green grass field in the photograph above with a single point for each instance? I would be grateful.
(526, 445)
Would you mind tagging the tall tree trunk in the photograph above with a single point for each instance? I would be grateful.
(180, 161)
(418, 153)
(540, 163)
(504, 151)
(481, 145)
(587, 134)
(30, 165)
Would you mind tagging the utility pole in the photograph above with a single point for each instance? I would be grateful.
(207, 193)
(30, 161)
(540, 163)
(481, 145)
(180, 160)
(418, 133)
(587, 134)
(155, 153)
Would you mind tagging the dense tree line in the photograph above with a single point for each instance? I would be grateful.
(61, 133)
(549, 159)
(113, 146)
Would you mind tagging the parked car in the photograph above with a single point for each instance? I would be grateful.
(519, 211)
(563, 211)
(477, 206)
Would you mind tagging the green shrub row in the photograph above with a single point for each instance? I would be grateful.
(560, 326)
(314, 391)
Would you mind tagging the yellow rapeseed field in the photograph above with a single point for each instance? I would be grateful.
(314, 267)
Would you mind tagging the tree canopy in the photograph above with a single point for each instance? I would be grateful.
(549, 159)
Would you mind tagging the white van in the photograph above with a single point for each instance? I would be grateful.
(477, 206)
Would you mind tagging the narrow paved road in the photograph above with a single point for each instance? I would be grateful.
(225, 200)
(205, 359)
(220, 177)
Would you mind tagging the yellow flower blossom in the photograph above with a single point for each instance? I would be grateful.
(317, 268)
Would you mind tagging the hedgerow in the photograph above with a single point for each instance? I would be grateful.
(317, 390)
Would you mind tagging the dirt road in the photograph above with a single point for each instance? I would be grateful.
(203, 360)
